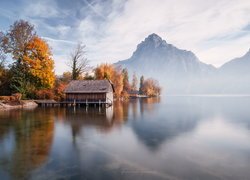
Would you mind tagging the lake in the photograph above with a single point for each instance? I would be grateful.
(174, 137)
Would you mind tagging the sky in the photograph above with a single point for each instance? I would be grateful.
(215, 30)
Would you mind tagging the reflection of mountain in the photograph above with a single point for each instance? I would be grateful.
(232, 109)
(31, 145)
(167, 123)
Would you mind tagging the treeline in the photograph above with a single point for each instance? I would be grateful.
(31, 71)
(120, 79)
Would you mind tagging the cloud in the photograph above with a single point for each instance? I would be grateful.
(41, 9)
(188, 24)
(216, 31)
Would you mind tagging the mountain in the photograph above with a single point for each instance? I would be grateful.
(237, 67)
(234, 76)
(181, 72)
(178, 71)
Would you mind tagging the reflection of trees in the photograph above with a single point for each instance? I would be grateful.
(148, 104)
(33, 132)
(121, 111)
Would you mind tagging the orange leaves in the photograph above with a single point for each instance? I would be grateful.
(38, 59)
(44, 94)
(108, 71)
(151, 87)
(105, 71)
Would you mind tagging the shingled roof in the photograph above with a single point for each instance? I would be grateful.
(89, 86)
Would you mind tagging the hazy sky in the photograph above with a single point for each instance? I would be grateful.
(215, 30)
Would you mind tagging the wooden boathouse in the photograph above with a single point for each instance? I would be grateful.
(90, 91)
(84, 92)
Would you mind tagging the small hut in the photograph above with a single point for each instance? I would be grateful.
(92, 91)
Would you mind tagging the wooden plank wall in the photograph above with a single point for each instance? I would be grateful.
(86, 96)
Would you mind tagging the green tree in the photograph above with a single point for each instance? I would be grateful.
(141, 85)
(4, 73)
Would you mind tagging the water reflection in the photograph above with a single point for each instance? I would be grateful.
(26, 140)
(155, 138)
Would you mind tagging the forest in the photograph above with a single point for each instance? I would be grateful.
(27, 68)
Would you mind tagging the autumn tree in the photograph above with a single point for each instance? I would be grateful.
(151, 87)
(117, 80)
(104, 71)
(40, 63)
(134, 82)
(126, 85)
(114, 74)
(33, 66)
(78, 62)
(66, 77)
(16, 40)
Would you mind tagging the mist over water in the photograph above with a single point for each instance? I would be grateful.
(172, 137)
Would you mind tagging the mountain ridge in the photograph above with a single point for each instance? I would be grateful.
(180, 70)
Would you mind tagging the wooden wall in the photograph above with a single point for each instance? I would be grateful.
(86, 96)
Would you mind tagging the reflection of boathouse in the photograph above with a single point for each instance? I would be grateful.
(90, 91)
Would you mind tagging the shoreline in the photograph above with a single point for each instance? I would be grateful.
(24, 104)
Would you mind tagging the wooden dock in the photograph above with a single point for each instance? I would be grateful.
(52, 103)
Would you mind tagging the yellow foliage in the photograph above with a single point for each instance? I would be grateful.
(108, 71)
(39, 61)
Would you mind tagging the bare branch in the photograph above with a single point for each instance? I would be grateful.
(78, 62)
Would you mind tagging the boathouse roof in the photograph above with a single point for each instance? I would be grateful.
(89, 86)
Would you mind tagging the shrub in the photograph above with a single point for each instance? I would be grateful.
(44, 94)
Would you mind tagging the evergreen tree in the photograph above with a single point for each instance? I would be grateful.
(141, 85)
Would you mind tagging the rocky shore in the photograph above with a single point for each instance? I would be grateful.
(18, 105)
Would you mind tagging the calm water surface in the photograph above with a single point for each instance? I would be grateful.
(168, 138)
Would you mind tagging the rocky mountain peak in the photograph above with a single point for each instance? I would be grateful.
(152, 41)
(154, 38)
